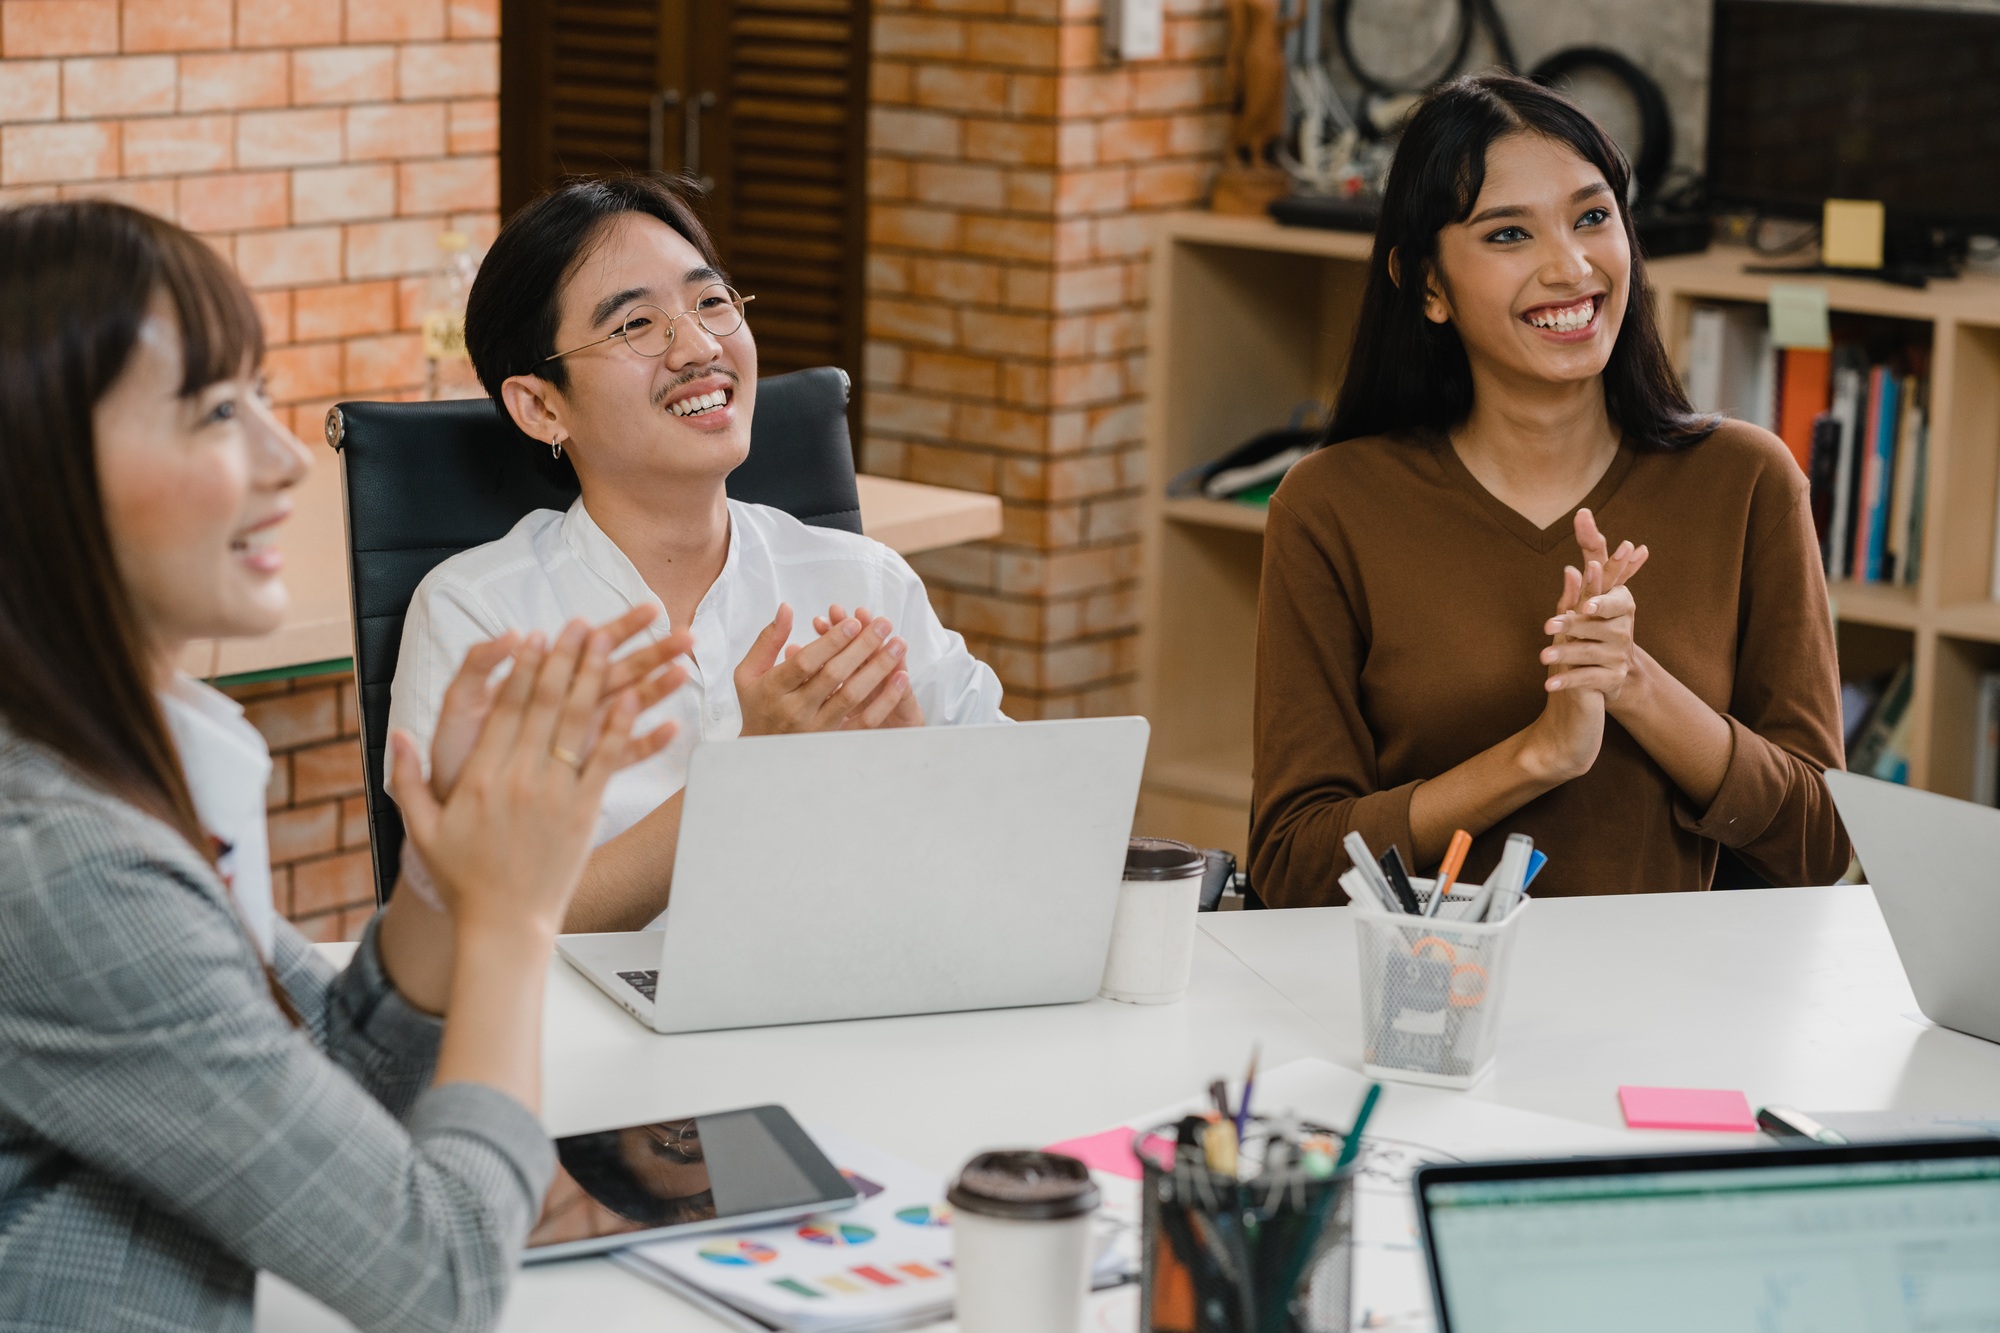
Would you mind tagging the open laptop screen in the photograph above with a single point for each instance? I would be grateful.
(1766, 1243)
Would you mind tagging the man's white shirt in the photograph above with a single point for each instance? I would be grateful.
(553, 568)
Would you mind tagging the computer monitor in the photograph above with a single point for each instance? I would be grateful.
(1809, 102)
(1860, 1239)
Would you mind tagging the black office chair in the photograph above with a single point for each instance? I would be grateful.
(425, 481)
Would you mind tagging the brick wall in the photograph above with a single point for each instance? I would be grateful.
(1013, 174)
(321, 145)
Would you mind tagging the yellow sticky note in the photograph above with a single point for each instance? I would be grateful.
(1850, 233)
(1798, 315)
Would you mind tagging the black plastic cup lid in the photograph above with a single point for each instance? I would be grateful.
(1162, 858)
(1024, 1187)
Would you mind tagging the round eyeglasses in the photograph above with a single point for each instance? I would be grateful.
(649, 329)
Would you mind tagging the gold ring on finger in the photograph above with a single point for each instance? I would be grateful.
(569, 757)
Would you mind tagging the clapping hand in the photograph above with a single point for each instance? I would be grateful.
(1595, 617)
(850, 676)
(904, 710)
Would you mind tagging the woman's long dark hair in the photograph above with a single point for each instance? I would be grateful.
(76, 280)
(1409, 376)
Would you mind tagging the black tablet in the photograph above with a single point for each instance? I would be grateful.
(671, 1177)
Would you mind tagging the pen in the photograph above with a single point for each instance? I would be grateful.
(1536, 860)
(1364, 861)
(1503, 887)
(1218, 1146)
(1351, 1148)
(1249, 1082)
(1399, 882)
(1454, 861)
(1782, 1122)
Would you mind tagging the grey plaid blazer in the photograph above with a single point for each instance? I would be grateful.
(165, 1133)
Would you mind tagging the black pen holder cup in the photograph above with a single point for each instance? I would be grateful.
(1223, 1255)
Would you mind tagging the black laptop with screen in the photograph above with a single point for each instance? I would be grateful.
(1877, 1237)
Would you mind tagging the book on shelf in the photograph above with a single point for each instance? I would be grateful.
(1882, 749)
(1854, 417)
(1986, 742)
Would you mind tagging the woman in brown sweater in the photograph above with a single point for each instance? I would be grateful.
(1448, 640)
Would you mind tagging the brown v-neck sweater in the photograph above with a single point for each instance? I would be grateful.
(1399, 633)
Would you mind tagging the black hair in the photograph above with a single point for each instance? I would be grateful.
(596, 1162)
(1409, 376)
(514, 307)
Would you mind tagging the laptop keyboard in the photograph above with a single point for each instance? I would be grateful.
(643, 982)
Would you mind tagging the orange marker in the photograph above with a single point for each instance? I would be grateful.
(1454, 860)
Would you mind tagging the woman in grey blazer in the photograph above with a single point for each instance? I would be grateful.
(188, 1092)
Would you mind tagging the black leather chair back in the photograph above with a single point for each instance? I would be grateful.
(425, 481)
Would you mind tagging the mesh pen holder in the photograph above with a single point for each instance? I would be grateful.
(1223, 1255)
(1431, 990)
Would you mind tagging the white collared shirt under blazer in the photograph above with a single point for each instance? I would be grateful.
(553, 567)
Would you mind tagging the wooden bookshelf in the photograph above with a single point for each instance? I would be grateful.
(1248, 319)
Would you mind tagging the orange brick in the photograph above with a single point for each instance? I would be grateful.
(392, 361)
(329, 883)
(1000, 427)
(234, 81)
(34, 154)
(172, 145)
(1015, 45)
(918, 35)
(955, 88)
(882, 363)
(325, 74)
(323, 771)
(943, 372)
(1076, 144)
(1005, 335)
(311, 371)
(1133, 139)
(350, 709)
(118, 86)
(448, 69)
(177, 25)
(1031, 190)
(955, 185)
(474, 126)
(152, 196)
(274, 312)
(288, 138)
(343, 194)
(960, 469)
(916, 228)
(288, 721)
(962, 281)
(279, 792)
(481, 229)
(1027, 288)
(324, 928)
(914, 133)
(910, 321)
(30, 90)
(1009, 238)
(386, 249)
(1033, 95)
(287, 23)
(1196, 38)
(1024, 385)
(289, 258)
(448, 185)
(888, 178)
(908, 415)
(1176, 87)
(353, 822)
(58, 27)
(308, 830)
(1098, 92)
(375, 133)
(1010, 142)
(889, 83)
(1201, 133)
(395, 20)
(472, 18)
(235, 202)
(1158, 184)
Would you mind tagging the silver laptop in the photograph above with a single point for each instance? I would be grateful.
(1859, 1239)
(867, 873)
(1935, 866)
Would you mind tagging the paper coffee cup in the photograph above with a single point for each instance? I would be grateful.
(1021, 1242)
(1152, 935)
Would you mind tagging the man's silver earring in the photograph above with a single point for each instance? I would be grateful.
(555, 448)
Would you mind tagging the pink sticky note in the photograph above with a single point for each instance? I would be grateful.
(1109, 1152)
(1687, 1108)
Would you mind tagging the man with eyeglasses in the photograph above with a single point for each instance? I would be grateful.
(602, 321)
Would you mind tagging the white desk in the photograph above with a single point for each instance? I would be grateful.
(1793, 996)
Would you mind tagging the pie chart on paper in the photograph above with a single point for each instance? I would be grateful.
(923, 1215)
(738, 1253)
(835, 1233)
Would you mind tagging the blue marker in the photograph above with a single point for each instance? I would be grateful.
(1536, 860)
